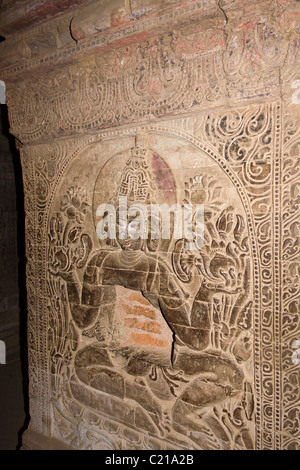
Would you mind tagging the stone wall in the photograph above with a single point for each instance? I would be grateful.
(149, 344)
(9, 288)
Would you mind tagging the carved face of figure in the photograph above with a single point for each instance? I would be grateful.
(130, 233)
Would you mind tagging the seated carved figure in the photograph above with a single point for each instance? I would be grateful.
(198, 374)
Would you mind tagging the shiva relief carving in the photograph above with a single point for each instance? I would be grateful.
(151, 342)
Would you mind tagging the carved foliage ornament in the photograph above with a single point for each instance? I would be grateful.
(168, 74)
(246, 145)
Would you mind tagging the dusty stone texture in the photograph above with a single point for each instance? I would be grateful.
(147, 344)
(9, 289)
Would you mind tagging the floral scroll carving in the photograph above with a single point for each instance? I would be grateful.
(211, 321)
(290, 276)
(245, 145)
(172, 348)
(250, 153)
(147, 80)
(262, 48)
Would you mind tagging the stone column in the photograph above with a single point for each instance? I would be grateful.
(149, 343)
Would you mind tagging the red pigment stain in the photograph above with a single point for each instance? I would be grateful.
(132, 39)
(151, 327)
(147, 340)
(164, 178)
(139, 310)
(138, 297)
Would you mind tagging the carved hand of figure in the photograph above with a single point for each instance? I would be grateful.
(221, 260)
(69, 247)
(222, 268)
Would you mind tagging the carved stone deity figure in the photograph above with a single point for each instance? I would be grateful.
(209, 322)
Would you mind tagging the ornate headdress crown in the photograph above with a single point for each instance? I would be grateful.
(137, 180)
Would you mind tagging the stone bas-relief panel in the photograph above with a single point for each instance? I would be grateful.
(150, 342)
(251, 154)
(172, 348)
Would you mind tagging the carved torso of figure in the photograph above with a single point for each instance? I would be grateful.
(150, 275)
(133, 270)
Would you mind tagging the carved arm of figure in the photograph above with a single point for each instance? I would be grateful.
(85, 302)
(69, 251)
(85, 299)
(190, 323)
(222, 267)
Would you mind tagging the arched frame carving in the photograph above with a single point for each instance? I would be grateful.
(45, 165)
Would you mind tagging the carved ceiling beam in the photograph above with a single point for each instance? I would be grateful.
(116, 23)
(193, 57)
(17, 16)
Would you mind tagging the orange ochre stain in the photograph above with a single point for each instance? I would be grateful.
(139, 310)
(147, 340)
(138, 297)
(151, 327)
